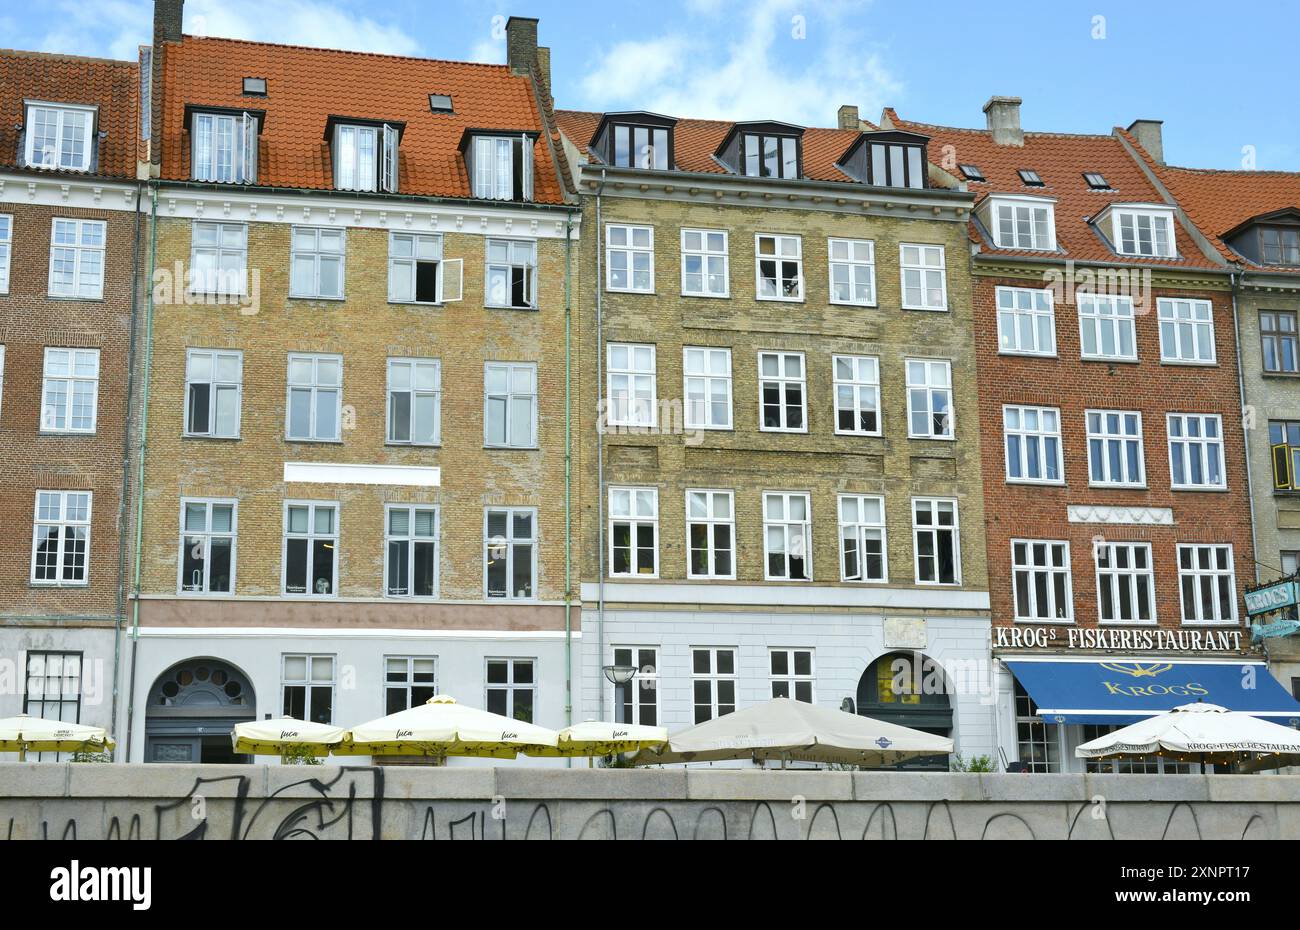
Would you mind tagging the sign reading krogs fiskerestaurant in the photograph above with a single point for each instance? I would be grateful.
(1278, 596)
(1144, 640)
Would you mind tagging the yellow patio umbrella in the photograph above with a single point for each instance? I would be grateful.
(284, 734)
(597, 738)
(22, 734)
(441, 727)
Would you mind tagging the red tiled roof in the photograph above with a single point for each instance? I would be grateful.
(108, 85)
(305, 86)
(1060, 159)
(695, 141)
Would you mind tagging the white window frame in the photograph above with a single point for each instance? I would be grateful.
(512, 686)
(861, 271)
(781, 259)
(351, 173)
(1012, 312)
(714, 678)
(1099, 313)
(1024, 211)
(1103, 435)
(511, 262)
(1117, 217)
(933, 528)
(1199, 446)
(709, 521)
(706, 256)
(863, 375)
(509, 543)
(61, 111)
(924, 268)
(316, 253)
(511, 396)
(646, 680)
(790, 529)
(703, 379)
(311, 535)
(216, 386)
(631, 387)
(636, 516)
(930, 388)
(410, 538)
(494, 175)
(310, 683)
(316, 388)
(792, 679)
(6, 249)
(71, 382)
(1197, 575)
(1193, 319)
(414, 393)
(404, 269)
(205, 537)
(242, 130)
(1127, 577)
(63, 523)
(1039, 560)
(217, 281)
(783, 383)
(630, 251)
(856, 531)
(85, 258)
(1038, 436)
(408, 666)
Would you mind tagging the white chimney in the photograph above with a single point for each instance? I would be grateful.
(1149, 136)
(1003, 115)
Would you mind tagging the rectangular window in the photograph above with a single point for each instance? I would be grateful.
(512, 274)
(311, 548)
(1115, 448)
(365, 158)
(710, 534)
(925, 285)
(1277, 331)
(893, 165)
(1026, 321)
(316, 260)
(1207, 584)
(1125, 583)
(1284, 443)
(792, 674)
(61, 538)
(1279, 246)
(511, 688)
(307, 683)
(53, 691)
(315, 398)
(936, 541)
(417, 272)
(1033, 444)
(1143, 233)
(70, 391)
(779, 266)
(1196, 450)
(510, 405)
(409, 681)
(782, 390)
(225, 148)
(929, 399)
(219, 259)
(787, 536)
(1106, 327)
(862, 538)
(1028, 227)
(705, 260)
(637, 700)
(631, 385)
(207, 556)
(410, 551)
(634, 532)
(713, 682)
(213, 388)
(502, 167)
(853, 272)
(1186, 331)
(1041, 580)
(510, 552)
(857, 395)
(707, 387)
(60, 137)
(6, 244)
(414, 401)
(768, 156)
(630, 258)
(1037, 744)
(77, 259)
(640, 147)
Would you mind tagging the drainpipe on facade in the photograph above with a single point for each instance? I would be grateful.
(139, 486)
(568, 474)
(600, 452)
(1241, 391)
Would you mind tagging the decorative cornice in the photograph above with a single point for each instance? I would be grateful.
(91, 193)
(1128, 516)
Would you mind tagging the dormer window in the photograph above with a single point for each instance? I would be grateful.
(770, 156)
(1279, 245)
(635, 140)
(365, 155)
(889, 159)
(500, 166)
(224, 147)
(1030, 177)
(1141, 230)
(59, 136)
(1021, 222)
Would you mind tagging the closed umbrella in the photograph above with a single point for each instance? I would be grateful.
(284, 734)
(1199, 732)
(22, 734)
(441, 727)
(595, 738)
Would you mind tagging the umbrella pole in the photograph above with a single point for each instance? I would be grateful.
(22, 752)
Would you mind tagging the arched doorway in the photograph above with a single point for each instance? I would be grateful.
(192, 708)
(909, 689)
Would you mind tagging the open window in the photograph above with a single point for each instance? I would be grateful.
(417, 272)
(365, 154)
(223, 145)
(500, 165)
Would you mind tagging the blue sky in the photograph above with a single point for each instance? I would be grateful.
(1222, 77)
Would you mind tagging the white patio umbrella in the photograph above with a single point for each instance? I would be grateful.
(1204, 732)
(785, 729)
(596, 738)
(441, 727)
(284, 734)
(22, 734)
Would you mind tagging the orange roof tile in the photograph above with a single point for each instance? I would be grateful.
(103, 83)
(305, 86)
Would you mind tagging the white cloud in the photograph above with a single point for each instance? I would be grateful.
(489, 52)
(766, 70)
(315, 23)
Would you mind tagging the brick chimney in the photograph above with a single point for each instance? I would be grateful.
(521, 44)
(1150, 137)
(848, 117)
(1003, 115)
(168, 16)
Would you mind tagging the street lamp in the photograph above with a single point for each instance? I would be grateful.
(619, 675)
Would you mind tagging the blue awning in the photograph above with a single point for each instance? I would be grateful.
(1123, 692)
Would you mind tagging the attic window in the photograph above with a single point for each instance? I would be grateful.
(440, 103)
(972, 173)
(640, 146)
(255, 87)
(365, 156)
(1096, 181)
(1030, 177)
(768, 155)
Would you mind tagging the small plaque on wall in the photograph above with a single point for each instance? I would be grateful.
(905, 633)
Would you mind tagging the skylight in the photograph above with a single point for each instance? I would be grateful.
(972, 173)
(1030, 177)
(440, 103)
(255, 87)
(1096, 180)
